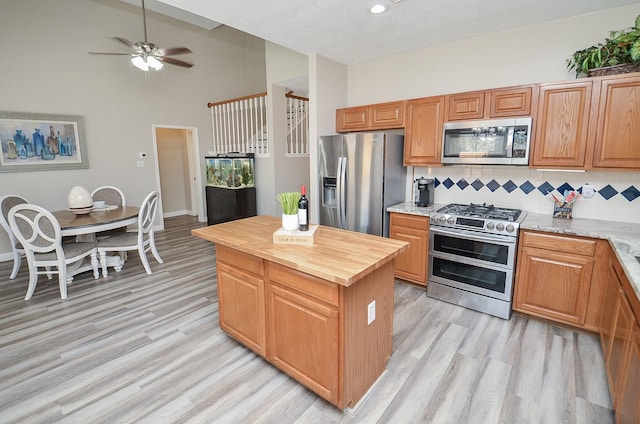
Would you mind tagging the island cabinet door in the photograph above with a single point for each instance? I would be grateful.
(303, 330)
(242, 309)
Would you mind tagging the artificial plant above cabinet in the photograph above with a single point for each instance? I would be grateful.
(619, 53)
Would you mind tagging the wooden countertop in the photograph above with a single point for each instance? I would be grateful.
(339, 256)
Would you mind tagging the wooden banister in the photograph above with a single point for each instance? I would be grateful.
(224, 102)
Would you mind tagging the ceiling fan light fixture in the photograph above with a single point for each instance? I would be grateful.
(154, 63)
(140, 63)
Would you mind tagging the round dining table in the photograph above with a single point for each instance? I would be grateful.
(85, 226)
(95, 221)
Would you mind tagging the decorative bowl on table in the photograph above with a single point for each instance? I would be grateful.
(99, 204)
(81, 211)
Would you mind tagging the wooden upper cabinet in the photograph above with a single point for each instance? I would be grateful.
(387, 115)
(423, 131)
(510, 102)
(352, 119)
(466, 106)
(562, 125)
(617, 138)
(370, 117)
(498, 103)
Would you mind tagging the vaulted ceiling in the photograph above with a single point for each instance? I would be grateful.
(344, 30)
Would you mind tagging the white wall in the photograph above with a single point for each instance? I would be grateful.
(528, 55)
(46, 69)
(327, 92)
(278, 173)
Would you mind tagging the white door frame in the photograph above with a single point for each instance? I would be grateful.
(193, 158)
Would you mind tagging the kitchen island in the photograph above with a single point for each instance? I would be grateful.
(323, 313)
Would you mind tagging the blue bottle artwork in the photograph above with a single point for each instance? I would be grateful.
(69, 147)
(47, 153)
(61, 149)
(28, 146)
(19, 138)
(38, 142)
(22, 152)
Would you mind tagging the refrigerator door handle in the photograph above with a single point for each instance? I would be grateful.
(341, 191)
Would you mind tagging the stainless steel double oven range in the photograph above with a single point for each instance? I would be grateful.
(472, 255)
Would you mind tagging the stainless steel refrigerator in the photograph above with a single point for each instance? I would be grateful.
(361, 174)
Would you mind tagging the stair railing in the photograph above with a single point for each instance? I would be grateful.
(240, 125)
(298, 125)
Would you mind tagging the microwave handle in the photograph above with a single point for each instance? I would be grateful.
(509, 146)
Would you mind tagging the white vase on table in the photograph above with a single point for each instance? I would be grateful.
(289, 222)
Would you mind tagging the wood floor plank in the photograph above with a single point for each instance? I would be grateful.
(138, 348)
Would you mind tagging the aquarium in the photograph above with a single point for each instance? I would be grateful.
(231, 170)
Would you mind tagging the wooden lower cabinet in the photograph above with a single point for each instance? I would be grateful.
(411, 265)
(553, 277)
(241, 297)
(316, 331)
(628, 406)
(620, 338)
(303, 331)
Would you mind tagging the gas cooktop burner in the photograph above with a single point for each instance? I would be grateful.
(485, 218)
(482, 211)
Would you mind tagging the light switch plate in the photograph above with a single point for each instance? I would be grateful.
(140, 163)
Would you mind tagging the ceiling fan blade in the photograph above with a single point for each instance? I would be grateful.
(113, 54)
(173, 61)
(173, 51)
(126, 42)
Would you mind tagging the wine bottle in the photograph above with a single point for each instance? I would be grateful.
(303, 210)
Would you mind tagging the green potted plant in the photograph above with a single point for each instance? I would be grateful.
(620, 53)
(289, 203)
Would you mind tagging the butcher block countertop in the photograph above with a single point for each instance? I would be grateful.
(340, 256)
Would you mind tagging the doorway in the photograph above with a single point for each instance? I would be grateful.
(178, 171)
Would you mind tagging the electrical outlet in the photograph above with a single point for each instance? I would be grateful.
(140, 163)
(588, 191)
(371, 312)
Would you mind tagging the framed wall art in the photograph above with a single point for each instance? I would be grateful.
(42, 142)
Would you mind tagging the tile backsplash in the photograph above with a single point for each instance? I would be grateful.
(617, 194)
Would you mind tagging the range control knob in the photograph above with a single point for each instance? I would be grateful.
(490, 225)
(451, 220)
(442, 219)
(500, 227)
(510, 228)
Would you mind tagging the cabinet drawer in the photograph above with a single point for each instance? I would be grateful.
(304, 283)
(579, 246)
(239, 259)
(410, 221)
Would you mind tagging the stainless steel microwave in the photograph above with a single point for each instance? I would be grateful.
(487, 142)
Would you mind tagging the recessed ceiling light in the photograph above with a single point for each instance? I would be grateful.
(377, 9)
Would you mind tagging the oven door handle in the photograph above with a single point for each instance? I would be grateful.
(473, 236)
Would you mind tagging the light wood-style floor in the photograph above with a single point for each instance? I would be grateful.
(148, 349)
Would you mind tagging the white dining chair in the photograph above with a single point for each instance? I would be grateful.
(7, 202)
(39, 233)
(110, 195)
(141, 240)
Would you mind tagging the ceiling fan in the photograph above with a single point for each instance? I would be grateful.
(148, 55)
